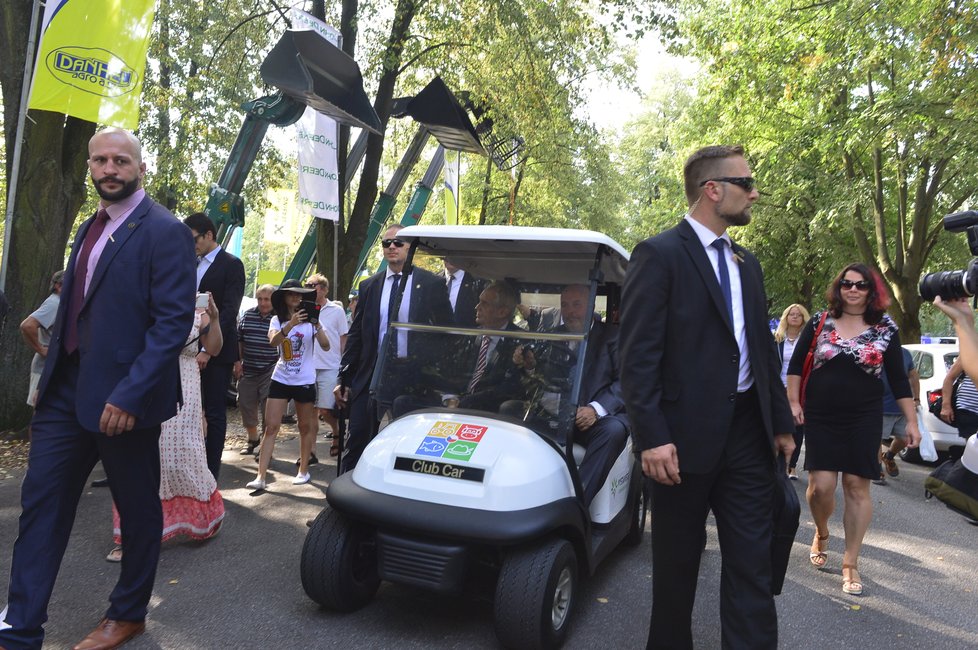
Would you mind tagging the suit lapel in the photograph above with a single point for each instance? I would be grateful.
(115, 243)
(705, 269)
(218, 260)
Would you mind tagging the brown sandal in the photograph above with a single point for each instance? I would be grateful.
(818, 557)
(334, 449)
(851, 583)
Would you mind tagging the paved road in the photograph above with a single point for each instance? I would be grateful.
(242, 590)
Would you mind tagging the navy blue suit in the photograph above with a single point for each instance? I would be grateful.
(600, 383)
(136, 316)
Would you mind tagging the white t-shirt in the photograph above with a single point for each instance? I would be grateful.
(45, 315)
(300, 370)
(332, 318)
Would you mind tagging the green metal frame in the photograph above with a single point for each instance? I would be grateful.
(225, 206)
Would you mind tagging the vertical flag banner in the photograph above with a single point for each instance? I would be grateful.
(316, 136)
(453, 204)
(91, 59)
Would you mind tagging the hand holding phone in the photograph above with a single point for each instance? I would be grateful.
(202, 300)
(311, 309)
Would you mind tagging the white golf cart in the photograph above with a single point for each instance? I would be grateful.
(443, 486)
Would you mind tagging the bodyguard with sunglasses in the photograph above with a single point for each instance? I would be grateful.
(843, 407)
(425, 300)
(701, 381)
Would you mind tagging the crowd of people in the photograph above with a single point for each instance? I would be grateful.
(150, 403)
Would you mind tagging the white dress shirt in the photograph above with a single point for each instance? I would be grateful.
(706, 236)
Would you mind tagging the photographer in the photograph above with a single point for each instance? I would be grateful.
(963, 318)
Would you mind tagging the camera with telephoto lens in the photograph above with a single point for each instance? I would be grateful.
(950, 285)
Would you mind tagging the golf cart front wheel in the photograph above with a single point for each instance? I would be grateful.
(535, 595)
(339, 562)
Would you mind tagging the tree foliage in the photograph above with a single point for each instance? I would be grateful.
(860, 119)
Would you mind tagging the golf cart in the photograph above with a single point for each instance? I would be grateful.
(449, 484)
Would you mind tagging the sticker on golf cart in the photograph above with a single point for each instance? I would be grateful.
(451, 440)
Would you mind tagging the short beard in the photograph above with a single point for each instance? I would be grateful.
(128, 189)
(741, 218)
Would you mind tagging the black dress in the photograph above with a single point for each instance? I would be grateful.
(844, 395)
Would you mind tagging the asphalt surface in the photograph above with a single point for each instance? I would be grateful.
(242, 589)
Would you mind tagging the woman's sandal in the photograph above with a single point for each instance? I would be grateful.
(818, 556)
(115, 555)
(851, 583)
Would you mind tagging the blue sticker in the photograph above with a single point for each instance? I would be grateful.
(432, 447)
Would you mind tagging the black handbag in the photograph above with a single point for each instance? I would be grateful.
(787, 511)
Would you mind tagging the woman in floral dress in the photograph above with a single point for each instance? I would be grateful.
(192, 505)
(843, 408)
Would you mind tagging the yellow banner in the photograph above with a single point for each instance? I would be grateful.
(91, 59)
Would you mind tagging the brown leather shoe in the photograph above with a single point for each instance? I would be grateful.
(111, 634)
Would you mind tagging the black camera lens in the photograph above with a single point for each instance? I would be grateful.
(950, 285)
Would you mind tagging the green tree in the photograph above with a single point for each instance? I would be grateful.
(860, 116)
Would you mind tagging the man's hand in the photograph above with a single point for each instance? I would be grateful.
(661, 464)
(43, 351)
(913, 434)
(586, 417)
(202, 359)
(115, 421)
(342, 395)
(784, 444)
(523, 358)
(238, 370)
(947, 412)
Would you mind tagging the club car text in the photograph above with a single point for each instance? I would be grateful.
(433, 468)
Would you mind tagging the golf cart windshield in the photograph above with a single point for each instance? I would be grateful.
(514, 357)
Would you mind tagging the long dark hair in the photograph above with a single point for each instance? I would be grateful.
(876, 302)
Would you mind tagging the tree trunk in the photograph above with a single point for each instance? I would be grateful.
(50, 190)
(356, 228)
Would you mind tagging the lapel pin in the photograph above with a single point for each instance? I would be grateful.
(738, 257)
(131, 225)
(111, 239)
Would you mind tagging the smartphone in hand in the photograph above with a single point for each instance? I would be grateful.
(311, 309)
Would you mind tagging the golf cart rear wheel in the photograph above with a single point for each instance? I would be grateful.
(535, 595)
(339, 562)
(639, 514)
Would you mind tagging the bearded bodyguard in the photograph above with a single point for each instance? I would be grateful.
(700, 375)
(110, 379)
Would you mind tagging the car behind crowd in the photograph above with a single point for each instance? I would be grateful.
(932, 361)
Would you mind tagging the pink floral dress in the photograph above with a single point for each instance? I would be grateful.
(192, 505)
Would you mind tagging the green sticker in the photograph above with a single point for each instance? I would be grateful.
(460, 450)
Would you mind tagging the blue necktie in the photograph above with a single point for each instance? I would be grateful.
(721, 244)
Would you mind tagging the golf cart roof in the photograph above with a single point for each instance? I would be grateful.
(551, 255)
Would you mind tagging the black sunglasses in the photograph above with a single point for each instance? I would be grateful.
(745, 183)
(387, 243)
(862, 285)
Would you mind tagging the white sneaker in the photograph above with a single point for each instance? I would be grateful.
(257, 484)
(300, 479)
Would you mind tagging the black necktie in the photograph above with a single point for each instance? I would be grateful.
(720, 245)
(391, 316)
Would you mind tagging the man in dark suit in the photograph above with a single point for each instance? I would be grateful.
(600, 424)
(493, 378)
(221, 274)
(700, 375)
(424, 300)
(463, 293)
(110, 379)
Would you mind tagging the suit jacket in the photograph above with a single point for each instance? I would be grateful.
(429, 304)
(468, 298)
(501, 381)
(680, 359)
(601, 382)
(137, 313)
(225, 279)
